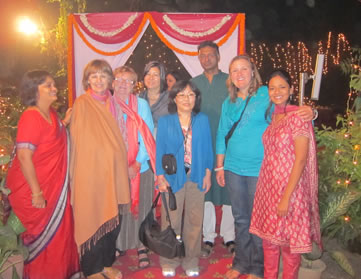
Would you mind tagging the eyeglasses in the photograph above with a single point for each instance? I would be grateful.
(183, 95)
(127, 81)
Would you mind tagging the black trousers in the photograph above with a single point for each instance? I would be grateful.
(102, 254)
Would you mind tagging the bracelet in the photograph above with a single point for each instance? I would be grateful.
(315, 114)
(218, 168)
(37, 194)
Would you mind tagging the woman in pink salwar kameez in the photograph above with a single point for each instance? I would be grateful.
(285, 212)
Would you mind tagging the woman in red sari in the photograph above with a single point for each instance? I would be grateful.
(39, 183)
(285, 211)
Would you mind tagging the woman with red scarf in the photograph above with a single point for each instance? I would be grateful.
(285, 211)
(98, 173)
(136, 126)
(39, 183)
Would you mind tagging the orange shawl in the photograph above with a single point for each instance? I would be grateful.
(98, 170)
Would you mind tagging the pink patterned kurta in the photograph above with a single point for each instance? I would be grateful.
(301, 225)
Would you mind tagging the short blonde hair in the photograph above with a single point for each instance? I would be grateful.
(96, 66)
(126, 69)
(256, 81)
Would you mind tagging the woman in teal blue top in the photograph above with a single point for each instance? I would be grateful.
(186, 134)
(239, 162)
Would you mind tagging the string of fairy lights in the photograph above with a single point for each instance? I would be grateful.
(296, 58)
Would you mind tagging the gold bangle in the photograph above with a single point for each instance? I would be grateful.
(37, 194)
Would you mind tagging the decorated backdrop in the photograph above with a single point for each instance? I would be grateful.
(114, 36)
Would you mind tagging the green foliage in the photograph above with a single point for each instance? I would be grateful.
(10, 242)
(339, 162)
(340, 178)
(355, 82)
(10, 110)
(57, 38)
(343, 262)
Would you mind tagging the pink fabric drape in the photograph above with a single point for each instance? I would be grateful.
(187, 22)
(107, 24)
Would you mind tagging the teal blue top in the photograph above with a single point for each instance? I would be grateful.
(213, 95)
(145, 113)
(244, 153)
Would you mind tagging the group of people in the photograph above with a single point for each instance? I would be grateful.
(82, 196)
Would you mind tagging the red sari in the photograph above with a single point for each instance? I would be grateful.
(49, 233)
(301, 226)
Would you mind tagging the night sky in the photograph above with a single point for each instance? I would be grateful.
(269, 21)
(266, 20)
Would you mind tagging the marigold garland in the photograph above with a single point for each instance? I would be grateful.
(70, 60)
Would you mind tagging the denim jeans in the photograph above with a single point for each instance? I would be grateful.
(249, 251)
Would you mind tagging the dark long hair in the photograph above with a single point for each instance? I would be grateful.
(179, 86)
(160, 66)
(286, 77)
(28, 89)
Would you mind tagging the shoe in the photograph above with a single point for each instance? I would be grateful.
(168, 272)
(143, 260)
(207, 249)
(230, 245)
(119, 253)
(251, 276)
(112, 273)
(98, 275)
(193, 272)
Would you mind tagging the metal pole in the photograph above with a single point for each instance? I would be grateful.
(303, 77)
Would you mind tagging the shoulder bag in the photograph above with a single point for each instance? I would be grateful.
(230, 132)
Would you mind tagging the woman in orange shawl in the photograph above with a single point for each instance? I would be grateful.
(98, 173)
(38, 180)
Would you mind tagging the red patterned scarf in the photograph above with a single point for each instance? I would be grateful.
(134, 124)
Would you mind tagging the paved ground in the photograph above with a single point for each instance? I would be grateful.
(333, 270)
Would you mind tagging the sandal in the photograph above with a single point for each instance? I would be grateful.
(98, 275)
(230, 245)
(143, 260)
(112, 273)
(232, 274)
(119, 253)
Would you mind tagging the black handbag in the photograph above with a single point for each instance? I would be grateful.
(172, 200)
(169, 164)
(164, 243)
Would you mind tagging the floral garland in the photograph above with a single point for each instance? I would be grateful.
(111, 33)
(196, 34)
